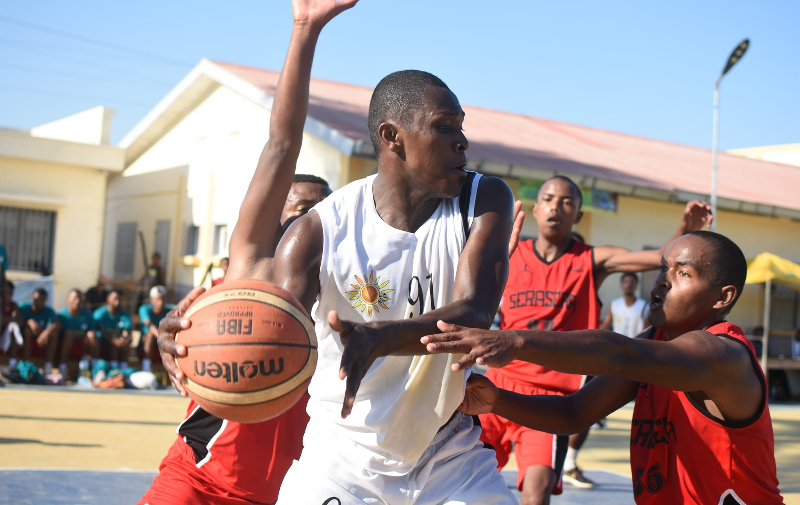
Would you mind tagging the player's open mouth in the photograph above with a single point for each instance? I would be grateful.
(656, 302)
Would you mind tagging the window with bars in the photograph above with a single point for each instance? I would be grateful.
(29, 236)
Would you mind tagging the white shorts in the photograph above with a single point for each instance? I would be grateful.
(455, 469)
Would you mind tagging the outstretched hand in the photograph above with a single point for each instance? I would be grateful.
(696, 215)
(361, 349)
(317, 13)
(169, 349)
(492, 348)
(479, 397)
(519, 219)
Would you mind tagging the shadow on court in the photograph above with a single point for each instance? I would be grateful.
(39, 442)
(73, 487)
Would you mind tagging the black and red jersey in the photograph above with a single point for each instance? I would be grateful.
(557, 296)
(681, 454)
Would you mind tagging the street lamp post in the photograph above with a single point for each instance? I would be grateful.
(735, 56)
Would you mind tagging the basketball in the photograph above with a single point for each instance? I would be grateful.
(251, 351)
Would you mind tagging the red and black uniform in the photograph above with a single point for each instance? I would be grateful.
(220, 462)
(557, 296)
(682, 454)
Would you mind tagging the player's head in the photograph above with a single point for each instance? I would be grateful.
(306, 191)
(156, 259)
(157, 296)
(74, 299)
(415, 123)
(114, 299)
(8, 291)
(629, 283)
(701, 276)
(558, 207)
(39, 299)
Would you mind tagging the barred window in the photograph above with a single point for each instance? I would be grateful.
(29, 236)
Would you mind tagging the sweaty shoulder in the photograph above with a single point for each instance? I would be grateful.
(494, 195)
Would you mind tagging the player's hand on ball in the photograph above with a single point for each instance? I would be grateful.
(167, 329)
(362, 344)
(317, 13)
(696, 215)
(492, 348)
(479, 397)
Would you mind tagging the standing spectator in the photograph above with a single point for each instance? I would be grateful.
(3, 268)
(12, 323)
(223, 264)
(627, 315)
(114, 325)
(151, 314)
(42, 325)
(156, 276)
(96, 296)
(77, 323)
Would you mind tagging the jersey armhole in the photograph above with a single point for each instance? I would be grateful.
(754, 417)
(466, 201)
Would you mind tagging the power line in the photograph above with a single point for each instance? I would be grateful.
(72, 96)
(68, 49)
(26, 68)
(88, 40)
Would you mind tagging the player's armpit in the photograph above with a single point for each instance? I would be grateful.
(298, 259)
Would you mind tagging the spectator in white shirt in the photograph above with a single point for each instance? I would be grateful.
(627, 315)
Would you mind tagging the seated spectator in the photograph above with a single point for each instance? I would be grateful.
(41, 328)
(96, 295)
(77, 324)
(114, 327)
(151, 314)
(223, 264)
(11, 326)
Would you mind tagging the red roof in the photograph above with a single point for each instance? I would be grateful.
(526, 141)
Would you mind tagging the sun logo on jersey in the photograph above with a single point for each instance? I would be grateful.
(370, 293)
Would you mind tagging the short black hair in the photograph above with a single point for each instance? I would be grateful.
(566, 179)
(398, 96)
(310, 178)
(41, 292)
(629, 274)
(76, 290)
(115, 290)
(728, 265)
(10, 285)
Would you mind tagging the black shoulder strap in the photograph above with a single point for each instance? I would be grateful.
(463, 202)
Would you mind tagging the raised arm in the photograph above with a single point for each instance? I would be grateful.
(480, 280)
(612, 259)
(258, 230)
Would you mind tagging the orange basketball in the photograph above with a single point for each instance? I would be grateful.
(251, 351)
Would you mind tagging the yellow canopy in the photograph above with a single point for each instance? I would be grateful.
(779, 270)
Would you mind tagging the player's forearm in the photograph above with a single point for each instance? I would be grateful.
(403, 337)
(548, 413)
(584, 352)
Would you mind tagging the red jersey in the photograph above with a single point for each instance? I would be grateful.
(556, 296)
(247, 460)
(679, 454)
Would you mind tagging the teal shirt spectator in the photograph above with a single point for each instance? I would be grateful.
(146, 312)
(43, 318)
(109, 324)
(78, 325)
(3, 259)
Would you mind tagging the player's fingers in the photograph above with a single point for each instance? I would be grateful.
(455, 347)
(174, 372)
(167, 344)
(171, 325)
(440, 337)
(343, 5)
(465, 362)
(353, 383)
(339, 325)
(449, 328)
(348, 358)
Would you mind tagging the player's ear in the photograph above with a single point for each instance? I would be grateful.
(727, 296)
(578, 217)
(389, 135)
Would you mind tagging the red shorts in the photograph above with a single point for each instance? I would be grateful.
(532, 447)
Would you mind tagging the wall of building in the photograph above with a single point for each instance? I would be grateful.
(77, 195)
(197, 174)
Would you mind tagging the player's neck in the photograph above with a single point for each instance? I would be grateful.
(630, 300)
(709, 321)
(74, 312)
(400, 206)
(549, 249)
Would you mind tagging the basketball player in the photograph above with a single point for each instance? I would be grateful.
(215, 461)
(701, 430)
(553, 286)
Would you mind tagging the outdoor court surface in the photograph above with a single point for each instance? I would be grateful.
(66, 447)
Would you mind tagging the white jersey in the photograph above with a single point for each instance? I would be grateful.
(373, 272)
(628, 321)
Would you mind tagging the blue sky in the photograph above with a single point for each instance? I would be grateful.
(645, 68)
